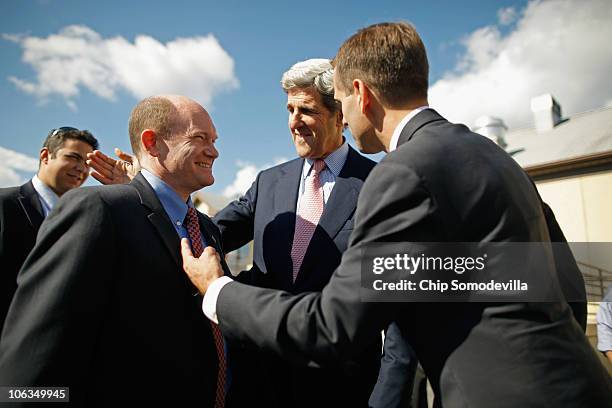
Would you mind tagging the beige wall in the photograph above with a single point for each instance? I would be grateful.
(582, 205)
(583, 208)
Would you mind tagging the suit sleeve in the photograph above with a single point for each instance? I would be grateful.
(7, 259)
(63, 290)
(570, 277)
(236, 226)
(397, 370)
(235, 221)
(333, 324)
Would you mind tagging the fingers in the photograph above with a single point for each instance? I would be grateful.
(210, 252)
(101, 178)
(186, 250)
(101, 163)
(104, 158)
(124, 156)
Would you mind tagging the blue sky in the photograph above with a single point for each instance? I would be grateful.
(484, 55)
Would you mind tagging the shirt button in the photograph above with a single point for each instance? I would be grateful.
(178, 223)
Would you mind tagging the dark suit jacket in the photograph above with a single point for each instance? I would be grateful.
(266, 214)
(443, 183)
(20, 217)
(570, 277)
(104, 307)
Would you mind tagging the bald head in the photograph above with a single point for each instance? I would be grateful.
(163, 114)
(174, 138)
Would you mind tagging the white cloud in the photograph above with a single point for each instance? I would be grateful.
(13, 165)
(559, 46)
(245, 176)
(78, 57)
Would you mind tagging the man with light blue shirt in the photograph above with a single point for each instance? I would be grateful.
(300, 215)
(61, 168)
(114, 317)
(604, 325)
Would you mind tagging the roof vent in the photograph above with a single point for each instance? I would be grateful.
(546, 112)
(493, 128)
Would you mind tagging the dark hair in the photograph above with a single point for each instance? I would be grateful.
(156, 113)
(57, 137)
(388, 57)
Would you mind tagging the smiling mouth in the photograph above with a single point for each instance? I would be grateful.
(204, 165)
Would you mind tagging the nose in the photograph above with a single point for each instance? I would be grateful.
(212, 151)
(82, 166)
(295, 120)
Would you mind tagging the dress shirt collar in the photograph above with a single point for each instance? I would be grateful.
(398, 129)
(170, 200)
(334, 162)
(47, 196)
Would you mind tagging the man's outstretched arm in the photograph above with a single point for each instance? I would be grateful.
(336, 323)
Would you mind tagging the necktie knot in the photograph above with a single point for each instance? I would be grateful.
(317, 167)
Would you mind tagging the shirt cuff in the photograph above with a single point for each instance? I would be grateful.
(209, 303)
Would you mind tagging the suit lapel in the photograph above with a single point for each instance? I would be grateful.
(158, 217)
(342, 201)
(422, 118)
(207, 227)
(339, 208)
(285, 202)
(30, 203)
(286, 192)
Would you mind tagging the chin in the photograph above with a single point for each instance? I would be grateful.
(303, 153)
(209, 182)
(368, 144)
(370, 149)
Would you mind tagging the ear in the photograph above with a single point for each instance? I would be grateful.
(339, 119)
(148, 141)
(363, 94)
(44, 155)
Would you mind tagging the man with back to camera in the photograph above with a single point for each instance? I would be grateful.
(438, 182)
(61, 167)
(92, 325)
(267, 215)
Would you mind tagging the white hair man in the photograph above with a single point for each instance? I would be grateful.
(297, 249)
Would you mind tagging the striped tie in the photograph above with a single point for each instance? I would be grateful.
(193, 227)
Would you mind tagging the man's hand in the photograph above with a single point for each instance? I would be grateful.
(204, 270)
(110, 171)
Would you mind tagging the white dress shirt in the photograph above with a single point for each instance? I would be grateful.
(46, 196)
(400, 126)
(333, 165)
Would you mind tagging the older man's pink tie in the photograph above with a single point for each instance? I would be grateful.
(308, 215)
